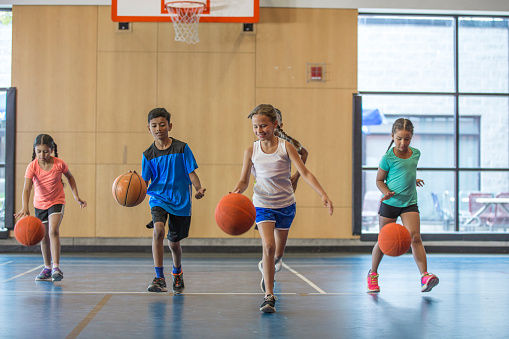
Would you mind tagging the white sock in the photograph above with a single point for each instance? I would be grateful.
(55, 265)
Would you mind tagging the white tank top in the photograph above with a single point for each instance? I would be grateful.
(273, 188)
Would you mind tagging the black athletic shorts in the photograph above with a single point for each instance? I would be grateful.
(43, 215)
(392, 212)
(178, 226)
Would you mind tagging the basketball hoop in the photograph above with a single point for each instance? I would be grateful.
(185, 16)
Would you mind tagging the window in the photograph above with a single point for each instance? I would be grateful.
(450, 76)
(5, 83)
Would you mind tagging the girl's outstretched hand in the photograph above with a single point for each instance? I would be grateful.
(387, 196)
(82, 203)
(22, 213)
(328, 203)
(200, 193)
(419, 182)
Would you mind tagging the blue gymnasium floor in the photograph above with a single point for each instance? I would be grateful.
(104, 296)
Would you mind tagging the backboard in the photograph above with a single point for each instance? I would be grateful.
(215, 11)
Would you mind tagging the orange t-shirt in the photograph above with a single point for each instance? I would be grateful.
(48, 187)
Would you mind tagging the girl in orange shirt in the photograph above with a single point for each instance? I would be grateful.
(44, 173)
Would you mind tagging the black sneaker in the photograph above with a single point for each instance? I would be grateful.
(150, 225)
(269, 304)
(157, 285)
(178, 282)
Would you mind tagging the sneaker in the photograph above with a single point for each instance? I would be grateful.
(278, 264)
(150, 225)
(45, 275)
(178, 282)
(56, 274)
(428, 281)
(373, 282)
(262, 284)
(157, 285)
(269, 304)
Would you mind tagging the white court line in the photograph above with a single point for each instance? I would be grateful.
(5, 263)
(310, 283)
(141, 292)
(19, 275)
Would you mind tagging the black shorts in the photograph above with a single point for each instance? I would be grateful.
(178, 226)
(43, 215)
(392, 212)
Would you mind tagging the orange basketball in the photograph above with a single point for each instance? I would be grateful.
(129, 189)
(235, 214)
(394, 239)
(29, 231)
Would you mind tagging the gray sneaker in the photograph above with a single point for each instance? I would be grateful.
(56, 274)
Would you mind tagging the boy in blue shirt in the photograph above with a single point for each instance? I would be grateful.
(169, 165)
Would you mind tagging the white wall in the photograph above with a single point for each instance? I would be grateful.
(419, 5)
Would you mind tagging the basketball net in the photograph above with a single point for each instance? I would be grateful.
(185, 16)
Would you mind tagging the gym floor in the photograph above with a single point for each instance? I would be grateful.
(104, 295)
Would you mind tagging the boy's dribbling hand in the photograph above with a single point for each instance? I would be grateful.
(388, 195)
(200, 193)
(328, 203)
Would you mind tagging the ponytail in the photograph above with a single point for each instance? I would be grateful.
(282, 134)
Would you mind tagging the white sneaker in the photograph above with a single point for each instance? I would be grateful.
(278, 264)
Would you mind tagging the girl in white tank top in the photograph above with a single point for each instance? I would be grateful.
(273, 188)
(269, 160)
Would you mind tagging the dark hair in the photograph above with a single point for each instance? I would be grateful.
(282, 134)
(401, 124)
(264, 109)
(47, 140)
(159, 112)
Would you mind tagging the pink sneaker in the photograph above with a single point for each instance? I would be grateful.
(428, 281)
(373, 282)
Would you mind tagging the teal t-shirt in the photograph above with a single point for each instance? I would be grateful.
(401, 177)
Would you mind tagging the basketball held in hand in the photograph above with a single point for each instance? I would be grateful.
(129, 189)
(235, 214)
(29, 231)
(394, 239)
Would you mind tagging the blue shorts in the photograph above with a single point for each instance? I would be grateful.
(283, 217)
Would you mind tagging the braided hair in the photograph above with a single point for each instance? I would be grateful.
(47, 140)
(401, 124)
(282, 134)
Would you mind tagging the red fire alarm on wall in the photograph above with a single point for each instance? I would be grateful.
(315, 72)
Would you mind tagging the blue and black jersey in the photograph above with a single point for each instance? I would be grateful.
(168, 172)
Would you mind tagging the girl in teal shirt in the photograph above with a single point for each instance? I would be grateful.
(396, 179)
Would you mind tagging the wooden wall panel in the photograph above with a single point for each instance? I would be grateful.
(54, 67)
(113, 220)
(91, 87)
(219, 180)
(209, 96)
(214, 37)
(123, 148)
(142, 37)
(73, 148)
(321, 120)
(315, 222)
(126, 90)
(287, 39)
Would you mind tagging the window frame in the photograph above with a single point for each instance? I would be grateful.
(358, 167)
